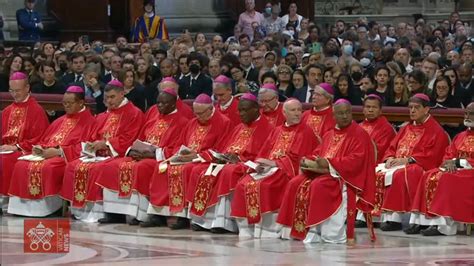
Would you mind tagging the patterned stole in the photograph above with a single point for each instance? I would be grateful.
(206, 182)
(16, 125)
(315, 122)
(35, 184)
(81, 174)
(176, 185)
(252, 188)
(299, 228)
(153, 136)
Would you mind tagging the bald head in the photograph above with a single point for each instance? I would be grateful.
(293, 111)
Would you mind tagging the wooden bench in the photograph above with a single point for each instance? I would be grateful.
(393, 114)
(50, 102)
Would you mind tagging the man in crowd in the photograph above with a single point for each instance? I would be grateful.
(125, 181)
(257, 196)
(417, 147)
(168, 186)
(445, 195)
(271, 109)
(23, 125)
(320, 118)
(78, 63)
(197, 82)
(111, 137)
(319, 198)
(38, 177)
(210, 184)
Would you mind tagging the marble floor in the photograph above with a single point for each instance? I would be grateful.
(121, 244)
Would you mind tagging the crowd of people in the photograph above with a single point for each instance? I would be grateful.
(246, 157)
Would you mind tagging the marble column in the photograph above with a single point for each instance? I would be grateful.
(206, 16)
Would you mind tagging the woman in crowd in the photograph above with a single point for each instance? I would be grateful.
(284, 73)
(399, 94)
(133, 90)
(241, 84)
(48, 84)
(12, 64)
(345, 90)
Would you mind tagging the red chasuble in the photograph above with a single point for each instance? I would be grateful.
(231, 112)
(36, 180)
(123, 175)
(381, 132)
(168, 188)
(245, 141)
(183, 109)
(23, 124)
(426, 143)
(275, 117)
(311, 201)
(120, 128)
(286, 146)
(319, 121)
(450, 194)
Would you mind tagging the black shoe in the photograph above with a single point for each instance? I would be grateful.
(431, 231)
(218, 230)
(197, 228)
(360, 224)
(413, 229)
(113, 218)
(155, 221)
(182, 223)
(133, 222)
(391, 226)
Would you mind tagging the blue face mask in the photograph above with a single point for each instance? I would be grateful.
(268, 10)
(347, 49)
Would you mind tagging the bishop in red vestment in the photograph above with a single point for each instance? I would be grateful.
(257, 196)
(271, 108)
(341, 169)
(380, 131)
(446, 195)
(38, 179)
(320, 118)
(183, 109)
(418, 147)
(216, 177)
(226, 103)
(168, 186)
(23, 124)
(126, 180)
(115, 131)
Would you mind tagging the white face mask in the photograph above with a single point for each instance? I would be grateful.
(235, 52)
(469, 123)
(365, 62)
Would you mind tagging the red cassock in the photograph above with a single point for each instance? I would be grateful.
(183, 109)
(426, 143)
(168, 188)
(275, 117)
(245, 141)
(286, 146)
(123, 175)
(311, 201)
(381, 132)
(36, 180)
(23, 124)
(450, 194)
(319, 121)
(231, 112)
(120, 128)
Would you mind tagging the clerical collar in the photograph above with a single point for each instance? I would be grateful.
(276, 107)
(424, 121)
(124, 102)
(82, 110)
(324, 109)
(286, 124)
(174, 111)
(227, 104)
(27, 98)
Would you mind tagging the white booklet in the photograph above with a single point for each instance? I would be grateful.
(141, 146)
(86, 151)
(31, 158)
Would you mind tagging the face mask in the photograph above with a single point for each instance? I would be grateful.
(194, 69)
(468, 123)
(63, 66)
(347, 49)
(365, 62)
(356, 76)
(235, 52)
(268, 10)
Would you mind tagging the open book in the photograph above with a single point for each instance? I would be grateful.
(86, 151)
(142, 146)
(219, 156)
